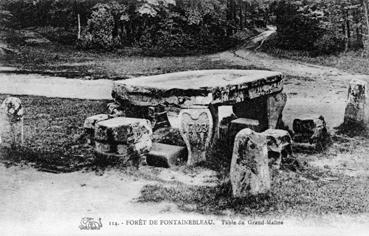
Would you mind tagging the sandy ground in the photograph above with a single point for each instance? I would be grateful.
(39, 203)
(35, 203)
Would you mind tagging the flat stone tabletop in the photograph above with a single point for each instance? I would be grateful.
(200, 87)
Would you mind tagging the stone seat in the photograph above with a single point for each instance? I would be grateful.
(165, 155)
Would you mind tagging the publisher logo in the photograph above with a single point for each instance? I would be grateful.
(89, 223)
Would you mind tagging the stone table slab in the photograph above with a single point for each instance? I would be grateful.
(202, 87)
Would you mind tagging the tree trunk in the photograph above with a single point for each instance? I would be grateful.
(365, 6)
(79, 26)
(366, 36)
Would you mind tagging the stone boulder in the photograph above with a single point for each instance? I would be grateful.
(249, 172)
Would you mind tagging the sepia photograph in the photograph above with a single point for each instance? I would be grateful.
(184, 117)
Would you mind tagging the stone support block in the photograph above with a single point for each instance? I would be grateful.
(196, 128)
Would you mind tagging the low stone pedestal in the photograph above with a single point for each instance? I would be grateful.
(249, 167)
(279, 146)
(164, 155)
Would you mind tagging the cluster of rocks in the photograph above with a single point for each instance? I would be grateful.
(257, 154)
(309, 134)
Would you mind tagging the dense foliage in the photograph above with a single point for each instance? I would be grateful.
(179, 25)
(320, 26)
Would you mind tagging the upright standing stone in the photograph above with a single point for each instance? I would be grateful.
(275, 106)
(196, 128)
(357, 108)
(249, 167)
(11, 121)
(279, 146)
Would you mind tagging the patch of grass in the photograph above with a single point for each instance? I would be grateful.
(292, 194)
(52, 127)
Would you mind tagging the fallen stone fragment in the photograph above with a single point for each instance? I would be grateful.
(164, 155)
(311, 131)
(249, 167)
(279, 146)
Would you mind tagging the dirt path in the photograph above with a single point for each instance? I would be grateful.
(40, 85)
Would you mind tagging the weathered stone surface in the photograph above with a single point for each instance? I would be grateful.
(123, 130)
(310, 130)
(249, 167)
(92, 120)
(279, 146)
(275, 106)
(357, 108)
(104, 147)
(201, 87)
(11, 122)
(158, 117)
(89, 126)
(115, 109)
(196, 128)
(122, 149)
(164, 155)
(239, 124)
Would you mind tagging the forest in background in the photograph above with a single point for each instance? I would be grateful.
(323, 27)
